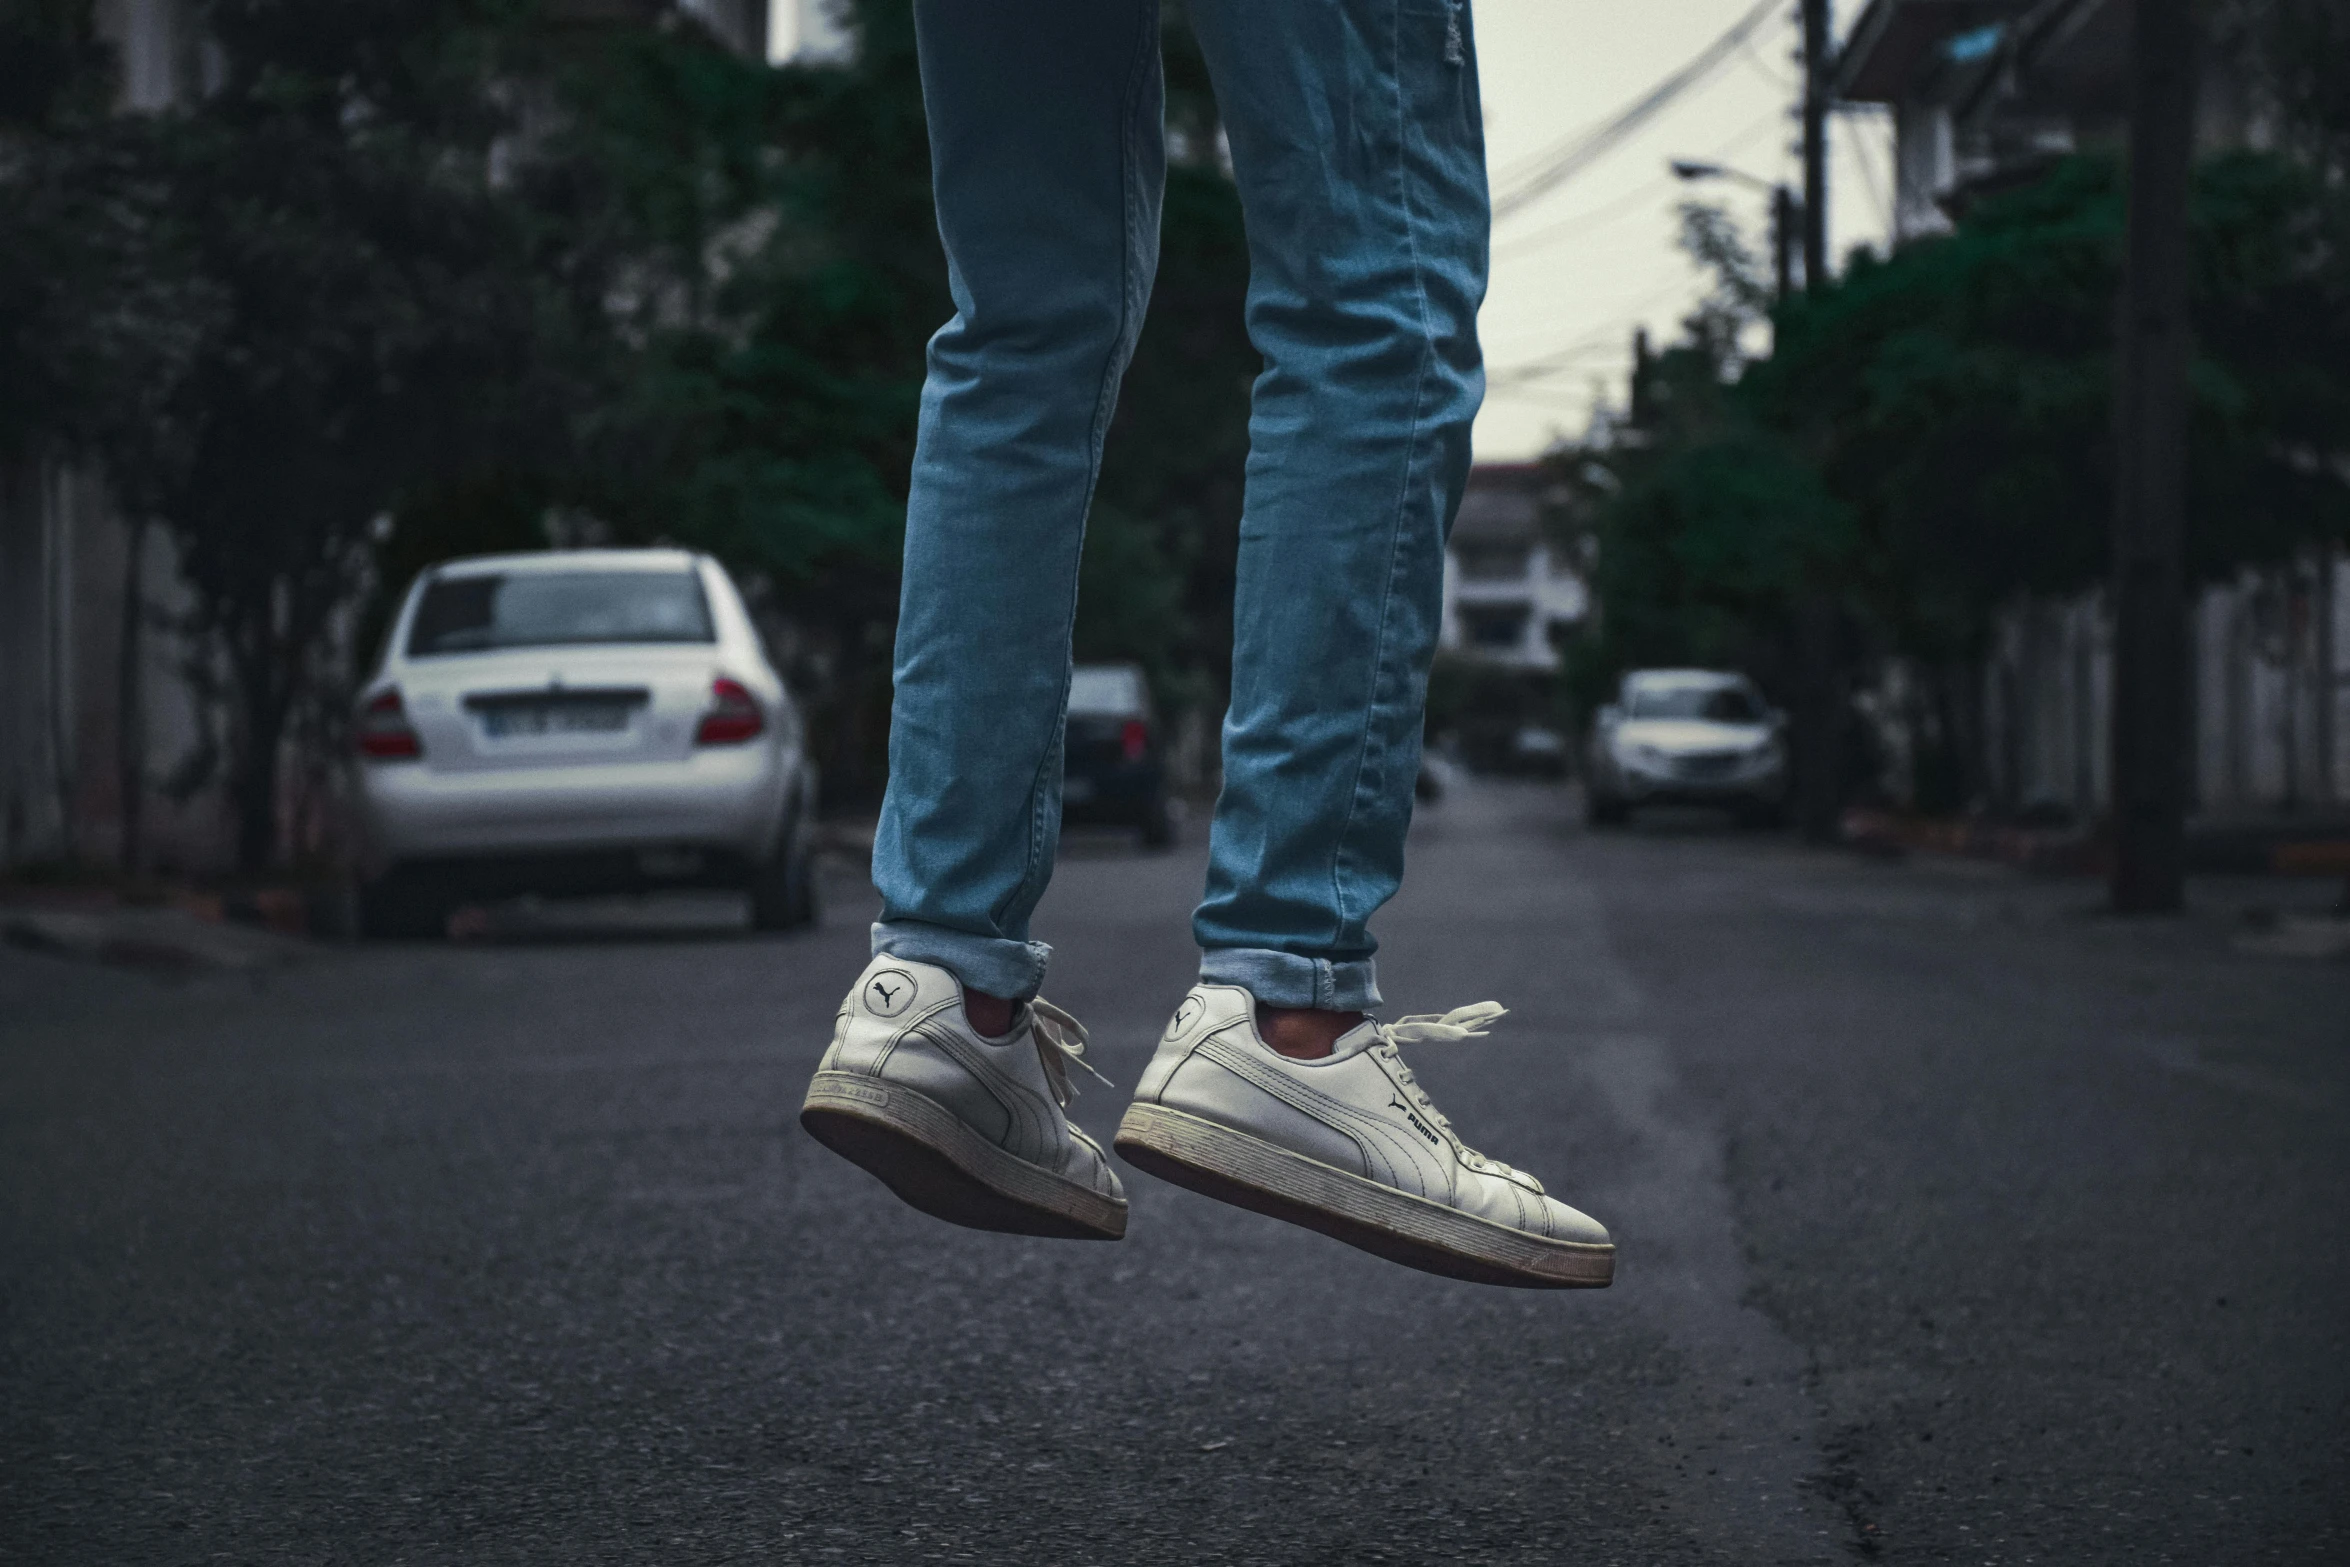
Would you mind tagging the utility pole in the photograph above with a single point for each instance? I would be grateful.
(1816, 63)
(1783, 242)
(1819, 708)
(2150, 477)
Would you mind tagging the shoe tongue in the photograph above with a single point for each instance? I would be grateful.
(1355, 1040)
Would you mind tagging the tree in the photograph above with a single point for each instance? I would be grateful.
(1931, 435)
(773, 232)
(416, 275)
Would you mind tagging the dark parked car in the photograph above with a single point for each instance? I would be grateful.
(1116, 773)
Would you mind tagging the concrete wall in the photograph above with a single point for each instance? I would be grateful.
(2269, 697)
(92, 753)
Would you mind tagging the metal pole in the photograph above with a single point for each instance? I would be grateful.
(2150, 406)
(2329, 683)
(1819, 714)
(1815, 142)
(1783, 239)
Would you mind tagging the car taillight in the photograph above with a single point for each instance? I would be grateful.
(383, 734)
(1134, 739)
(733, 717)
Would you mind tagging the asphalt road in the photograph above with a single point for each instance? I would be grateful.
(1958, 1223)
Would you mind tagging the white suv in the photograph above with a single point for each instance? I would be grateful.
(1686, 737)
(574, 722)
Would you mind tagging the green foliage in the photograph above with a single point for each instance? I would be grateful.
(1957, 397)
(1710, 544)
(1931, 435)
(52, 65)
(449, 264)
(770, 233)
(766, 408)
(2296, 49)
(375, 328)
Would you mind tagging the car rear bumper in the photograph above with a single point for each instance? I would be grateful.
(581, 872)
(1761, 786)
(730, 800)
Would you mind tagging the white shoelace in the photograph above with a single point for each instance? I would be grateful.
(1447, 1028)
(1430, 1027)
(1067, 1038)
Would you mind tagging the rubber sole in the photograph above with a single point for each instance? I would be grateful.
(1250, 1173)
(935, 1162)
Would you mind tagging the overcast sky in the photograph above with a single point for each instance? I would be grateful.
(1577, 270)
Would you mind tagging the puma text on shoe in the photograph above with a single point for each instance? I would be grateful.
(967, 1129)
(1349, 1145)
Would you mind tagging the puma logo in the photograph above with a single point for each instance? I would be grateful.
(1418, 1125)
(889, 992)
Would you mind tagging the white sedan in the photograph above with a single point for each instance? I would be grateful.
(1686, 737)
(577, 722)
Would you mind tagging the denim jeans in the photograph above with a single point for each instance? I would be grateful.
(1355, 137)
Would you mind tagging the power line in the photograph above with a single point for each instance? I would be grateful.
(1522, 376)
(1552, 363)
(1762, 67)
(1564, 402)
(1561, 163)
(1583, 222)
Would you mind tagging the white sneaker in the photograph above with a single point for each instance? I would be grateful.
(1351, 1146)
(965, 1128)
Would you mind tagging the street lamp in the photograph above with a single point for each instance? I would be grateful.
(1784, 210)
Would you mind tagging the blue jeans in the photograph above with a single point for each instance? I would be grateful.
(1355, 136)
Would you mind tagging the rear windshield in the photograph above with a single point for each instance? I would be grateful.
(558, 609)
(1722, 704)
(1105, 690)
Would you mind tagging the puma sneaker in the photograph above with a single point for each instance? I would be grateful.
(1350, 1145)
(966, 1128)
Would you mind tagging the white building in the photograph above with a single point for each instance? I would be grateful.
(1510, 595)
(1987, 93)
(2268, 698)
(807, 32)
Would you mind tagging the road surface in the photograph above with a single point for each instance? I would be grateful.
(1958, 1222)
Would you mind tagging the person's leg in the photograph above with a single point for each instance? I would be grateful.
(1357, 142)
(946, 1078)
(1355, 136)
(1047, 163)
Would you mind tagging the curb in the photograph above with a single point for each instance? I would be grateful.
(2211, 849)
(2041, 850)
(173, 940)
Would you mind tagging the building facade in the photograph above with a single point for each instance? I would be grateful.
(1986, 95)
(1511, 596)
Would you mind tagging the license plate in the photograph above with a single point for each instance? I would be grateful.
(509, 721)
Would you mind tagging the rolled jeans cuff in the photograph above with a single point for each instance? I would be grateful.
(992, 965)
(1283, 979)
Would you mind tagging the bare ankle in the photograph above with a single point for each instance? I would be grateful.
(990, 1015)
(1302, 1033)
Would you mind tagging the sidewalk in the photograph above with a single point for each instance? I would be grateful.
(2308, 843)
(169, 938)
